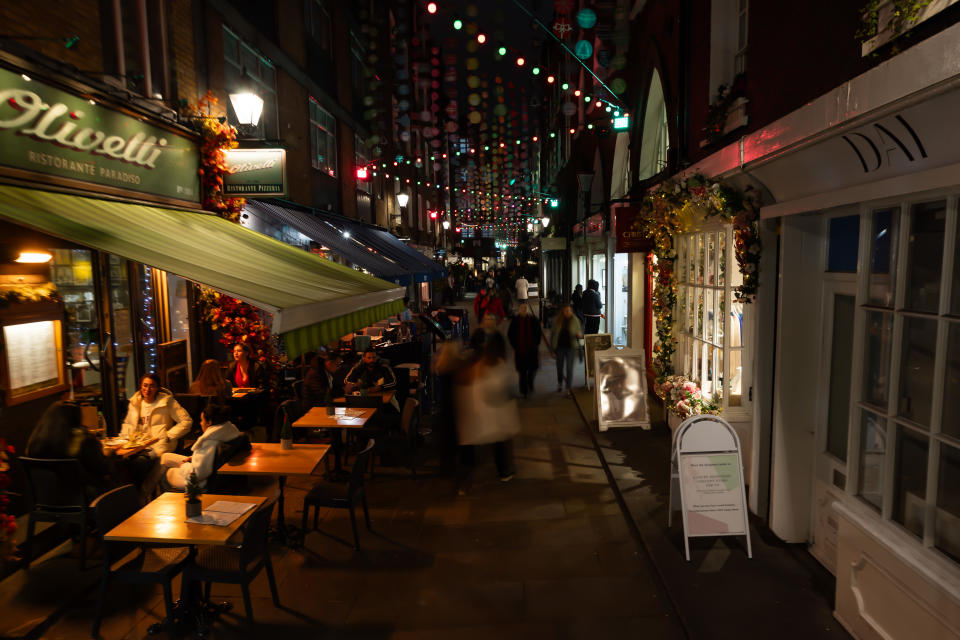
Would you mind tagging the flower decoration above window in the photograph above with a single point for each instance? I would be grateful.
(216, 136)
(679, 205)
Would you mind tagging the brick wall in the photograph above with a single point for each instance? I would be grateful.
(60, 20)
(183, 62)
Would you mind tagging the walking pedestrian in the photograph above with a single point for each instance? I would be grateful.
(524, 335)
(576, 302)
(564, 340)
(592, 306)
(523, 288)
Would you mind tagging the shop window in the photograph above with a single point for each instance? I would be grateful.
(843, 244)
(910, 365)
(709, 322)
(323, 141)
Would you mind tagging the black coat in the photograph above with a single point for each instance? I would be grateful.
(524, 335)
(256, 373)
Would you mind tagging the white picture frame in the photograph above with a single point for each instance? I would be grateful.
(620, 392)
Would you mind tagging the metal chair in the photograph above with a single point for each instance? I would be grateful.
(130, 562)
(338, 496)
(237, 565)
(58, 494)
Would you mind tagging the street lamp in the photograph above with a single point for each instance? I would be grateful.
(545, 221)
(402, 199)
(446, 225)
(248, 106)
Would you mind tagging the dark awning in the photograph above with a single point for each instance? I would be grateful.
(389, 245)
(340, 235)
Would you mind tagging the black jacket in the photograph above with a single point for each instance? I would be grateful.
(256, 373)
(591, 304)
(361, 375)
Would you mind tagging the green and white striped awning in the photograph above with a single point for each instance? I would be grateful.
(313, 300)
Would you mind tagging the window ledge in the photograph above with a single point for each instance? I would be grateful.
(886, 34)
(927, 562)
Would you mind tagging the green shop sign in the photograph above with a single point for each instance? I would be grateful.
(45, 130)
(255, 172)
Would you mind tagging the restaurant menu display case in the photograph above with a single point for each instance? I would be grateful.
(32, 350)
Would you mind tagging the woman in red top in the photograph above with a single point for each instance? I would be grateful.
(244, 371)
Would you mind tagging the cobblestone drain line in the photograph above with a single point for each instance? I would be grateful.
(631, 523)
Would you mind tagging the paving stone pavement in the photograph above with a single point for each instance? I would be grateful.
(548, 555)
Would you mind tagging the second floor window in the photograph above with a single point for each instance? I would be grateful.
(323, 139)
(248, 69)
(318, 24)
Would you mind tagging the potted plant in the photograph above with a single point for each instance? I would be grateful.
(328, 402)
(192, 493)
(286, 434)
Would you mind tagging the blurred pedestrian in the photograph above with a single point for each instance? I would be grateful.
(486, 412)
(523, 288)
(565, 341)
(524, 335)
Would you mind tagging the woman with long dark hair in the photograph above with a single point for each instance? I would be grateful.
(524, 335)
(210, 382)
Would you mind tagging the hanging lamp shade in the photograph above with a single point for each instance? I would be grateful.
(248, 106)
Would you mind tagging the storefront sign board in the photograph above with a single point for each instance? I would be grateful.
(256, 172)
(47, 131)
(707, 466)
(630, 236)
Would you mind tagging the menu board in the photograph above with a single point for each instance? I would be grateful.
(32, 354)
(712, 496)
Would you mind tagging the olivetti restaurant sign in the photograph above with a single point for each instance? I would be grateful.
(255, 172)
(48, 131)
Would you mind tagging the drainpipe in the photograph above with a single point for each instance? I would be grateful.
(144, 47)
(118, 41)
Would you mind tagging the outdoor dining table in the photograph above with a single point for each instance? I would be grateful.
(350, 418)
(271, 459)
(163, 521)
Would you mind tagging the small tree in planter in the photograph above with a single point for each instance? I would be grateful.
(193, 493)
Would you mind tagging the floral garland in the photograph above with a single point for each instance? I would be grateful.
(238, 322)
(216, 137)
(676, 206)
(8, 523)
(683, 397)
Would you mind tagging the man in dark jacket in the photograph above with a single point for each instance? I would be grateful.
(370, 374)
(591, 307)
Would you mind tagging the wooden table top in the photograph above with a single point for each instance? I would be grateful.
(125, 452)
(387, 396)
(317, 418)
(270, 459)
(165, 521)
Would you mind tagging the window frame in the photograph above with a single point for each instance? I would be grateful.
(323, 40)
(688, 342)
(935, 438)
(317, 127)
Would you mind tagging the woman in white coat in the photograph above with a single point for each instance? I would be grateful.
(217, 430)
(153, 414)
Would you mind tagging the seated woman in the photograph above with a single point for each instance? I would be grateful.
(217, 430)
(153, 413)
(243, 370)
(58, 434)
(210, 382)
